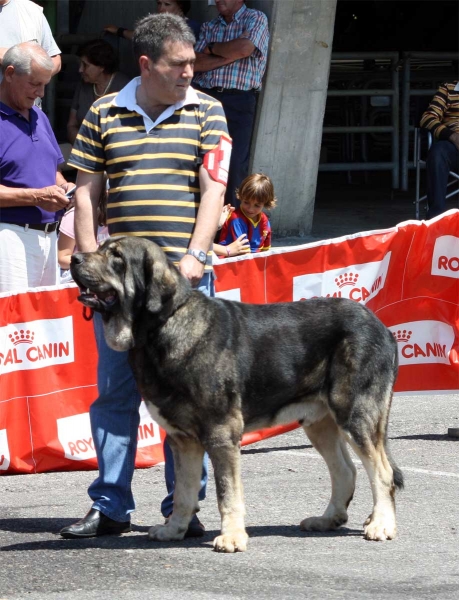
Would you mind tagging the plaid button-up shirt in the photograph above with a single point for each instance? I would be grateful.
(245, 73)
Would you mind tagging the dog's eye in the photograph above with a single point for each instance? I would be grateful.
(116, 253)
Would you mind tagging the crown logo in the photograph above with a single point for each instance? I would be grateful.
(346, 279)
(22, 337)
(402, 335)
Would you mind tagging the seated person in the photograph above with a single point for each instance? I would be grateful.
(247, 228)
(442, 119)
(174, 7)
(66, 240)
(99, 74)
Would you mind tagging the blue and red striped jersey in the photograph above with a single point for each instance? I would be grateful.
(258, 231)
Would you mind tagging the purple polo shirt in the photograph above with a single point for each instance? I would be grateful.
(29, 155)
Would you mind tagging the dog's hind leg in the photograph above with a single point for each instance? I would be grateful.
(366, 431)
(326, 438)
(226, 461)
(188, 455)
(381, 524)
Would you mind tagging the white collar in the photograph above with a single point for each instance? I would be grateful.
(127, 99)
(456, 89)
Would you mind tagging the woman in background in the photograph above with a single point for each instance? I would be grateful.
(100, 76)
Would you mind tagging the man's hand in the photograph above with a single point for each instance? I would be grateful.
(51, 198)
(192, 269)
(66, 186)
(111, 29)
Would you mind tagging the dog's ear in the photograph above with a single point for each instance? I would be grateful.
(160, 283)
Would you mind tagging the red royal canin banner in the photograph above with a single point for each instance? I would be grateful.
(408, 276)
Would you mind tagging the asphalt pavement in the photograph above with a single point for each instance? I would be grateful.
(285, 480)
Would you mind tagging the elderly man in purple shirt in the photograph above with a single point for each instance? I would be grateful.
(32, 191)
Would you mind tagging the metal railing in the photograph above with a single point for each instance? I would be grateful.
(348, 68)
(420, 68)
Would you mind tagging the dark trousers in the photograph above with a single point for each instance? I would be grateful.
(240, 108)
(443, 157)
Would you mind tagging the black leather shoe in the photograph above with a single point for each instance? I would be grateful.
(94, 524)
(195, 528)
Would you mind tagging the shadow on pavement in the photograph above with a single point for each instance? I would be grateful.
(137, 538)
(429, 437)
(247, 450)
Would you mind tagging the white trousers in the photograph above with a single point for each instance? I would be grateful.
(28, 259)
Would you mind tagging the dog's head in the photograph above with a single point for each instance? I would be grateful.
(127, 280)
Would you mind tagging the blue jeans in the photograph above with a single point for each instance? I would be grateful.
(240, 110)
(443, 157)
(115, 419)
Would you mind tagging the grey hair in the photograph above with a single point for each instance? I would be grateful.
(21, 57)
(153, 31)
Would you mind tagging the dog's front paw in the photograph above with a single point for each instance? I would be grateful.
(165, 533)
(379, 529)
(231, 542)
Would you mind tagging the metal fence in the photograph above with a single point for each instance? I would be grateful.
(362, 82)
(364, 89)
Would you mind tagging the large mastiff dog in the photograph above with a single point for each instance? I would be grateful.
(211, 369)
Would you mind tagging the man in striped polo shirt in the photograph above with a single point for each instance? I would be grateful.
(231, 57)
(442, 119)
(154, 139)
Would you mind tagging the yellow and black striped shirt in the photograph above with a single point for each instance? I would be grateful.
(442, 116)
(153, 177)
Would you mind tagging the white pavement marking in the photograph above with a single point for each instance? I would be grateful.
(359, 464)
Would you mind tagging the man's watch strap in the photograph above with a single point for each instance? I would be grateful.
(199, 255)
(211, 47)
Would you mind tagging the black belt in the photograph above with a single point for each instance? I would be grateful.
(222, 90)
(46, 227)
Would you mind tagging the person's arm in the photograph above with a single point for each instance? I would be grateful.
(208, 62)
(233, 50)
(89, 187)
(51, 198)
(65, 248)
(3, 49)
(57, 63)
(72, 126)
(48, 43)
(210, 209)
(127, 34)
(223, 53)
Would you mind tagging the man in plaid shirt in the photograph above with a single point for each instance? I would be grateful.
(231, 56)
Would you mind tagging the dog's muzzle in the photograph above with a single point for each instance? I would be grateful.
(94, 294)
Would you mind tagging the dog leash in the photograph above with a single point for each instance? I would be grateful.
(88, 314)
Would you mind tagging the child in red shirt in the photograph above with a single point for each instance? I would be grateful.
(247, 228)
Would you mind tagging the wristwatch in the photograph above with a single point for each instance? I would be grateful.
(199, 255)
(211, 47)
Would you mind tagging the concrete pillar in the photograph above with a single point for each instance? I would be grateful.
(288, 135)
